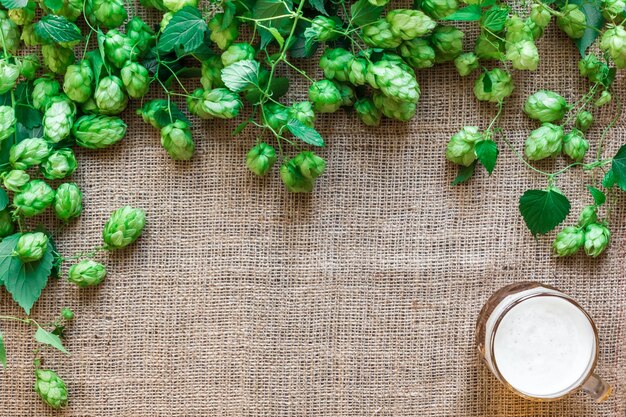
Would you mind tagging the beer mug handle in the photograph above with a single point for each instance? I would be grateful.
(597, 388)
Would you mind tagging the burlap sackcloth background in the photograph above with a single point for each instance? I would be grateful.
(357, 300)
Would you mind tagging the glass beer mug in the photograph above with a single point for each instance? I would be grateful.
(539, 343)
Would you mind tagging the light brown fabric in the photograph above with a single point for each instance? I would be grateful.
(357, 300)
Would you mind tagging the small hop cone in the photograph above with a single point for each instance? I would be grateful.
(86, 273)
(28, 153)
(575, 145)
(211, 71)
(584, 119)
(221, 103)
(58, 119)
(447, 42)
(572, 21)
(195, 105)
(568, 241)
(7, 122)
(410, 24)
(324, 29)
(175, 5)
(501, 86)
(303, 112)
(311, 165)
(43, 91)
(50, 388)
(523, 55)
(418, 53)
(546, 106)
(57, 58)
(237, 52)
(110, 96)
(394, 81)
(461, 147)
(77, 82)
(379, 35)
(539, 15)
(592, 68)
(597, 238)
(9, 74)
(177, 141)
(438, 9)
(261, 159)
(367, 112)
(118, 48)
(9, 32)
(136, 79)
(68, 201)
(15, 180)
(108, 13)
(59, 164)
(335, 62)
(34, 198)
(222, 36)
(466, 63)
(325, 96)
(97, 132)
(31, 246)
(141, 35)
(123, 227)
(67, 314)
(544, 142)
(394, 109)
(587, 216)
(605, 98)
(276, 115)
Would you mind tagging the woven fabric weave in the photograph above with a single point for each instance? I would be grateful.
(357, 300)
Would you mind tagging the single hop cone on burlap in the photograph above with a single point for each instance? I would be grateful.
(86, 273)
(136, 79)
(50, 388)
(77, 82)
(584, 120)
(575, 145)
(59, 164)
(7, 122)
(501, 86)
(108, 13)
(97, 132)
(461, 146)
(568, 241)
(588, 215)
(31, 247)
(34, 198)
(9, 74)
(28, 153)
(110, 96)
(123, 227)
(176, 139)
(7, 227)
(545, 106)
(605, 98)
(15, 180)
(544, 142)
(597, 237)
(261, 158)
(466, 63)
(68, 201)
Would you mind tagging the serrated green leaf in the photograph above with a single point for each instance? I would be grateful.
(495, 18)
(3, 352)
(543, 210)
(609, 179)
(466, 14)
(465, 173)
(52, 28)
(50, 339)
(363, 12)
(24, 280)
(318, 5)
(305, 133)
(96, 63)
(229, 14)
(185, 31)
(14, 4)
(278, 88)
(598, 196)
(619, 168)
(299, 47)
(592, 10)
(241, 75)
(267, 10)
(54, 5)
(487, 153)
(164, 117)
(277, 36)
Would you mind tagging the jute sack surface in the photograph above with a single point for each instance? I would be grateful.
(357, 300)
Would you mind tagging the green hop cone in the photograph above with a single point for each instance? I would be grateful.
(97, 132)
(9, 73)
(110, 96)
(276, 115)
(123, 227)
(212, 73)
(597, 238)
(501, 86)
(418, 53)
(24, 15)
(71, 9)
(379, 35)
(108, 13)
(261, 159)
(7, 227)
(299, 173)
(90, 106)
(357, 71)
(592, 68)
(584, 119)
(154, 4)
(613, 10)
(221, 103)
(575, 145)
(15, 180)
(31, 247)
(461, 147)
(546, 106)
(540, 15)
(438, 9)
(325, 96)
(7, 122)
(50, 388)
(29, 36)
(237, 52)
(30, 66)
(136, 79)
(34, 198)
(86, 273)
(536, 31)
(68, 201)
(568, 241)
(149, 111)
(28, 153)
(613, 43)
(447, 42)
(488, 46)
(67, 314)
(466, 63)
(9, 33)
(523, 55)
(303, 112)
(60, 163)
(348, 95)
(311, 166)
(572, 21)
(77, 82)
(222, 36)
(140, 34)
(410, 24)
(43, 91)
(194, 104)
(605, 98)
(336, 64)
(58, 118)
(118, 48)
(367, 112)
(390, 107)
(177, 141)
(57, 58)
(588, 215)
(393, 80)
(324, 29)
(544, 142)
(175, 5)
(517, 30)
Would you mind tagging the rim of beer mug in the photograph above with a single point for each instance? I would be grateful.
(520, 300)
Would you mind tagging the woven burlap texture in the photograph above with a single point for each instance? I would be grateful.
(360, 299)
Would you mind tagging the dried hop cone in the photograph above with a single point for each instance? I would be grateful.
(568, 241)
(575, 145)
(34, 198)
(31, 247)
(68, 201)
(96, 132)
(544, 142)
(461, 147)
(50, 388)
(123, 227)
(28, 153)
(546, 106)
(177, 141)
(15, 180)
(86, 273)
(261, 159)
(60, 163)
(597, 238)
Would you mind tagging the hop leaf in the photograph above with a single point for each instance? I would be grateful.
(543, 210)
(185, 30)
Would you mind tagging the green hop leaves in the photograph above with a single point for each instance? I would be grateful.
(261, 159)
(31, 247)
(177, 141)
(68, 201)
(501, 86)
(86, 273)
(546, 106)
(544, 142)
(96, 132)
(123, 227)
(7, 227)
(50, 388)
(34, 198)
(60, 163)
